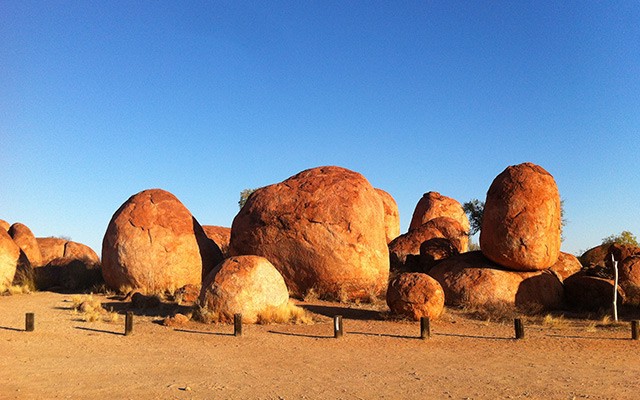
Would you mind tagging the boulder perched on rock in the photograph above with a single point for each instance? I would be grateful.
(521, 220)
(594, 256)
(566, 265)
(4, 225)
(434, 250)
(434, 205)
(391, 215)
(27, 242)
(68, 274)
(9, 254)
(52, 248)
(220, 235)
(415, 295)
(629, 270)
(591, 293)
(472, 280)
(323, 229)
(404, 251)
(154, 243)
(248, 285)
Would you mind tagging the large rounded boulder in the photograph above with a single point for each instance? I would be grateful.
(53, 248)
(629, 270)
(472, 280)
(434, 205)
(415, 295)
(404, 251)
(567, 265)
(221, 235)
(391, 215)
(153, 243)
(248, 285)
(591, 293)
(9, 254)
(24, 238)
(4, 225)
(323, 229)
(521, 220)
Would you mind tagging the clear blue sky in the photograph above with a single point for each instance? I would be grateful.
(102, 99)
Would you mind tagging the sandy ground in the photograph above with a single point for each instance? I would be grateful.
(376, 359)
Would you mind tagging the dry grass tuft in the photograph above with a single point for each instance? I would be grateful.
(288, 313)
(91, 309)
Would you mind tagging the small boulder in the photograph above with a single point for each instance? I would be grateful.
(248, 285)
(177, 320)
(521, 220)
(566, 265)
(434, 250)
(27, 242)
(434, 205)
(187, 294)
(220, 235)
(470, 279)
(591, 293)
(415, 295)
(9, 255)
(154, 243)
(391, 215)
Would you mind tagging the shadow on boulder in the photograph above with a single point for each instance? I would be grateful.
(68, 275)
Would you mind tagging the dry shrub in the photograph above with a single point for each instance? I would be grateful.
(91, 309)
(288, 313)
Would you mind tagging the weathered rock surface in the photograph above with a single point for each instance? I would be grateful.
(470, 279)
(9, 254)
(68, 274)
(391, 215)
(4, 225)
(591, 293)
(521, 221)
(323, 229)
(248, 285)
(404, 251)
(566, 265)
(154, 243)
(415, 295)
(629, 274)
(434, 205)
(27, 242)
(594, 256)
(434, 250)
(52, 248)
(220, 235)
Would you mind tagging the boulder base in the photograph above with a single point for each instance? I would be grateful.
(434, 205)
(415, 295)
(9, 254)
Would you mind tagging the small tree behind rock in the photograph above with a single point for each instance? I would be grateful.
(624, 238)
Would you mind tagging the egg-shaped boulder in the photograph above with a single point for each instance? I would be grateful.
(521, 220)
(414, 295)
(323, 229)
(9, 254)
(391, 215)
(153, 243)
(24, 238)
(434, 205)
(247, 285)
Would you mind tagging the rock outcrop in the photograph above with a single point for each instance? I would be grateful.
(52, 248)
(153, 243)
(567, 265)
(27, 242)
(391, 215)
(591, 293)
(521, 220)
(472, 280)
(220, 235)
(4, 225)
(434, 205)
(323, 229)
(9, 254)
(248, 285)
(415, 295)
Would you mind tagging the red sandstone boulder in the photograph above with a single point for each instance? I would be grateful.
(391, 215)
(323, 229)
(595, 256)
(68, 274)
(404, 251)
(154, 243)
(434, 205)
(9, 254)
(4, 225)
(220, 235)
(27, 242)
(52, 248)
(591, 293)
(434, 250)
(472, 280)
(566, 265)
(248, 285)
(521, 221)
(415, 295)
(629, 274)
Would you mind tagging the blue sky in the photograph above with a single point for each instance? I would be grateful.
(100, 100)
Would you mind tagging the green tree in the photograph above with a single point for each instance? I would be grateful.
(625, 238)
(474, 209)
(244, 196)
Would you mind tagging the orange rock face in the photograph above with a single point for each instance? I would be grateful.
(415, 295)
(434, 250)
(391, 215)
(591, 293)
(4, 225)
(220, 235)
(323, 229)
(433, 205)
(595, 255)
(629, 270)
(248, 285)
(52, 248)
(521, 221)
(566, 265)
(9, 254)
(404, 251)
(470, 279)
(28, 244)
(153, 243)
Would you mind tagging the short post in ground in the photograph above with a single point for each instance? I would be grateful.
(425, 328)
(128, 323)
(519, 328)
(635, 330)
(338, 330)
(237, 324)
(29, 322)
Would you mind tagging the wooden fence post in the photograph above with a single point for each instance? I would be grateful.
(338, 330)
(425, 328)
(635, 330)
(237, 324)
(29, 322)
(128, 323)
(519, 327)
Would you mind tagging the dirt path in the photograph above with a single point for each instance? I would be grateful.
(465, 359)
